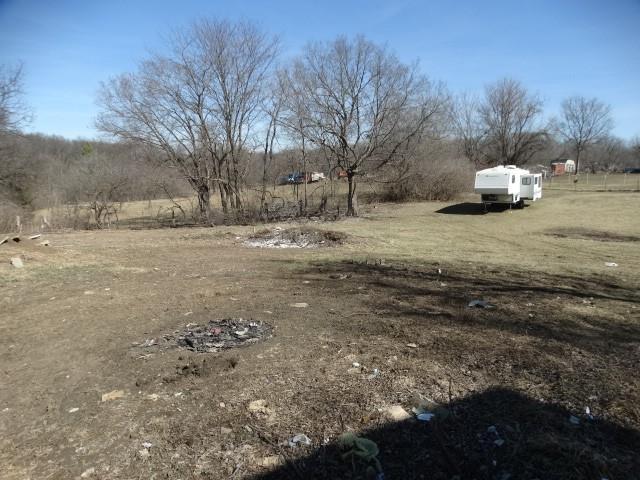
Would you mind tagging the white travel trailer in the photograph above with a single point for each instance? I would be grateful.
(508, 186)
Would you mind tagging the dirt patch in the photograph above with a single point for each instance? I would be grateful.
(587, 234)
(302, 237)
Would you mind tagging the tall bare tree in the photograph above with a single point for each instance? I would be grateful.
(468, 128)
(510, 117)
(362, 105)
(583, 122)
(198, 104)
(14, 112)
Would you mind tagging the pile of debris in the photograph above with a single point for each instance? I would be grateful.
(295, 238)
(222, 334)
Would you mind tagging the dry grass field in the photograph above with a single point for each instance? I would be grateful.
(386, 323)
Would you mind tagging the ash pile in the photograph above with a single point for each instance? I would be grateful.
(222, 334)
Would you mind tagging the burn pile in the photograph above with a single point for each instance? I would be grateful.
(222, 334)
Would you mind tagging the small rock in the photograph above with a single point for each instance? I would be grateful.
(611, 264)
(222, 405)
(44, 243)
(89, 292)
(397, 413)
(17, 262)
(355, 365)
(144, 453)
(113, 395)
(225, 430)
(147, 445)
(88, 472)
(299, 305)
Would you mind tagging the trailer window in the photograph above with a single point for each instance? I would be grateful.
(513, 179)
(526, 180)
(535, 180)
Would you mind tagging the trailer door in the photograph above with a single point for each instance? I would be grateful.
(526, 187)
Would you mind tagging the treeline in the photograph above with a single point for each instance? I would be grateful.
(220, 115)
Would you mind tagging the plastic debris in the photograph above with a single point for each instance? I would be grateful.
(611, 264)
(299, 305)
(412, 345)
(480, 304)
(425, 416)
(355, 365)
(574, 420)
(74, 410)
(147, 445)
(299, 439)
(587, 412)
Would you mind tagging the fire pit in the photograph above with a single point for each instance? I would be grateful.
(222, 334)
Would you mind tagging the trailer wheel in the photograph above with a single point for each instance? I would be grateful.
(520, 204)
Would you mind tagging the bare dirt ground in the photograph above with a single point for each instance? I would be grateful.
(377, 321)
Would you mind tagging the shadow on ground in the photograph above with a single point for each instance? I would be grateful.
(497, 434)
(469, 208)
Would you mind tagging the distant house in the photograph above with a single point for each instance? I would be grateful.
(562, 166)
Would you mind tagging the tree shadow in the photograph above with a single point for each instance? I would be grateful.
(411, 292)
(497, 434)
(469, 208)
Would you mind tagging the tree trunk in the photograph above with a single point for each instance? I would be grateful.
(204, 203)
(577, 161)
(352, 198)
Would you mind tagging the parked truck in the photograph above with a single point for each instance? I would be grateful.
(508, 185)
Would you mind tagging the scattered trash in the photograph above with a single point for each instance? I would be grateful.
(425, 417)
(4, 240)
(611, 264)
(412, 345)
(529, 304)
(295, 238)
(397, 413)
(89, 292)
(374, 374)
(299, 439)
(74, 410)
(222, 334)
(587, 412)
(480, 304)
(149, 342)
(17, 262)
(33, 237)
(499, 442)
(113, 395)
(147, 445)
(355, 365)
(299, 305)
(574, 420)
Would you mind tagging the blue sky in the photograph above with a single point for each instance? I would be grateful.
(556, 48)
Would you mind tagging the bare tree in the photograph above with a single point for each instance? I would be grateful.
(14, 112)
(583, 122)
(198, 104)
(510, 118)
(362, 105)
(469, 129)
